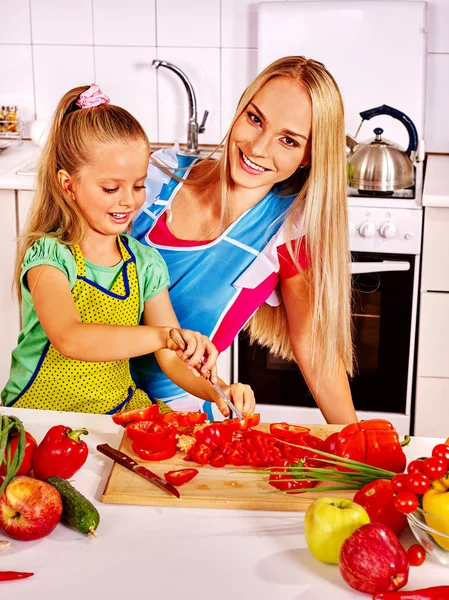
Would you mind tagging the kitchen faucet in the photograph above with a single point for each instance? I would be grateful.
(192, 127)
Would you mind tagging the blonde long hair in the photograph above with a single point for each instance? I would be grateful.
(320, 205)
(73, 134)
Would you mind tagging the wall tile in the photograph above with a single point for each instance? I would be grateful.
(17, 83)
(17, 31)
(203, 70)
(437, 117)
(114, 26)
(239, 23)
(61, 22)
(238, 69)
(57, 69)
(195, 23)
(126, 76)
(438, 20)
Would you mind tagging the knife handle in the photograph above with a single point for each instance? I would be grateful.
(117, 456)
(181, 343)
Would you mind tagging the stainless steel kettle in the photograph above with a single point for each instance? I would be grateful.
(380, 165)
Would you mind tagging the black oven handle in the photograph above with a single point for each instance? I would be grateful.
(382, 266)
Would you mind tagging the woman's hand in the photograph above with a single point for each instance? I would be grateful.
(241, 395)
(200, 353)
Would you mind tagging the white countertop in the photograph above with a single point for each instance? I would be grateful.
(14, 159)
(181, 553)
(436, 183)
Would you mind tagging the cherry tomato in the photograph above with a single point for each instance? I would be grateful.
(441, 451)
(406, 502)
(416, 466)
(399, 482)
(418, 483)
(377, 498)
(416, 555)
(435, 468)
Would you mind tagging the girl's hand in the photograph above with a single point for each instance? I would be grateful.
(242, 397)
(200, 353)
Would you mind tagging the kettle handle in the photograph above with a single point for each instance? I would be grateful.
(400, 116)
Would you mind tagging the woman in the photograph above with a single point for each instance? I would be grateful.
(263, 233)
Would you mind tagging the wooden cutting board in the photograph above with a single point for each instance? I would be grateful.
(226, 487)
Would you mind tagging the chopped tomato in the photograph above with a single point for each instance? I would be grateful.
(243, 424)
(180, 476)
(146, 413)
(152, 435)
(165, 454)
(200, 453)
(285, 430)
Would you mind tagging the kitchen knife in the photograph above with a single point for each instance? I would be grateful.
(180, 341)
(126, 461)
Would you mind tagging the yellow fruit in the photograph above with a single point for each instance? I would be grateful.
(436, 502)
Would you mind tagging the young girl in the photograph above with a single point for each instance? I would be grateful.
(85, 286)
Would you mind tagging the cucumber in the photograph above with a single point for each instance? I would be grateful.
(77, 511)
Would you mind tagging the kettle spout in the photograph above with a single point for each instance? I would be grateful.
(351, 142)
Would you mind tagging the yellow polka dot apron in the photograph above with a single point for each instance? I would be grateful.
(61, 383)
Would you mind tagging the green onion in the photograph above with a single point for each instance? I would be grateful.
(7, 425)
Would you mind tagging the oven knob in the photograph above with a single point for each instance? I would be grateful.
(387, 230)
(367, 229)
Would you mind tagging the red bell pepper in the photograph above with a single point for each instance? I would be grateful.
(283, 480)
(374, 442)
(438, 592)
(60, 454)
(242, 424)
(152, 435)
(154, 455)
(183, 420)
(377, 498)
(285, 431)
(30, 449)
(145, 413)
(180, 476)
(214, 435)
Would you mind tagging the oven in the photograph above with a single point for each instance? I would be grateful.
(385, 247)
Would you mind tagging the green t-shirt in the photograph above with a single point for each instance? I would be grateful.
(152, 274)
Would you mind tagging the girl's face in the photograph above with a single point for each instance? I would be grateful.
(271, 138)
(110, 189)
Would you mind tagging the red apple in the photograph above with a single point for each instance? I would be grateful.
(372, 560)
(29, 509)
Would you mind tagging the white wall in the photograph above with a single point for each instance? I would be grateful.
(48, 46)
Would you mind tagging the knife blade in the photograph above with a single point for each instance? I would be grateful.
(126, 461)
(180, 341)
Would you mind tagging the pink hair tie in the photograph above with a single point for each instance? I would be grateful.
(92, 97)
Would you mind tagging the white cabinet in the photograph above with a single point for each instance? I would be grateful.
(23, 206)
(9, 308)
(432, 385)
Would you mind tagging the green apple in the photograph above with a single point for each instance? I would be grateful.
(328, 522)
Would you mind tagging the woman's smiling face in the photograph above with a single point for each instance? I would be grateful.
(271, 138)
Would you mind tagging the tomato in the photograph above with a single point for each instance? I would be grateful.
(416, 466)
(285, 430)
(418, 483)
(165, 454)
(180, 476)
(377, 498)
(145, 413)
(441, 451)
(406, 502)
(30, 449)
(283, 480)
(243, 424)
(399, 482)
(435, 468)
(152, 435)
(416, 555)
(200, 453)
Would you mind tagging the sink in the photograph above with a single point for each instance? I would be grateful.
(203, 151)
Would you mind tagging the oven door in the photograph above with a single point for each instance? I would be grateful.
(383, 315)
